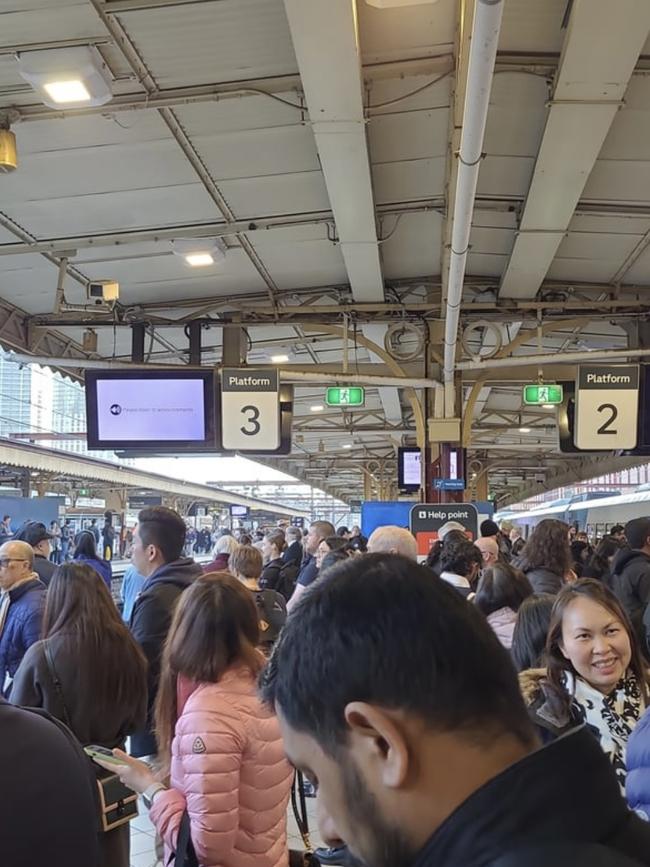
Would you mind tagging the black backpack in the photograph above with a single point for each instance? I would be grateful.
(272, 614)
(287, 580)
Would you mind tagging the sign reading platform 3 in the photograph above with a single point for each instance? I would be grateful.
(607, 407)
(250, 409)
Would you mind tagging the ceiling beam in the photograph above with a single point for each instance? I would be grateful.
(601, 48)
(325, 40)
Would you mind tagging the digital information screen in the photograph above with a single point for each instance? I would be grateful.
(409, 468)
(163, 410)
(239, 511)
(150, 409)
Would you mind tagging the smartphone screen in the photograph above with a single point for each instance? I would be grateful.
(106, 755)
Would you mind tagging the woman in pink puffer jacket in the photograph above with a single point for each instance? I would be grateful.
(221, 745)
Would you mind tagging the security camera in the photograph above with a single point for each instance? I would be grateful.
(103, 291)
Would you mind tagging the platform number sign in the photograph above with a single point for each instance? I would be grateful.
(607, 407)
(250, 409)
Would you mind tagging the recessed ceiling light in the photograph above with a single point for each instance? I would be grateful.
(67, 76)
(279, 359)
(317, 407)
(199, 260)
(200, 252)
(67, 91)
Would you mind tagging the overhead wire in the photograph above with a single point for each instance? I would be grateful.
(410, 93)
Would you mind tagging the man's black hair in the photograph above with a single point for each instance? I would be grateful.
(163, 528)
(617, 528)
(488, 528)
(382, 630)
(458, 555)
(637, 531)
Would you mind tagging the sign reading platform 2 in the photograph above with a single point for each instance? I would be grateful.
(250, 409)
(607, 407)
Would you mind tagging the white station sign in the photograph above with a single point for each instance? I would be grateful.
(250, 409)
(607, 407)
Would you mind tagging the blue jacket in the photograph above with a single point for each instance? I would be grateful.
(637, 759)
(22, 627)
(132, 584)
(102, 567)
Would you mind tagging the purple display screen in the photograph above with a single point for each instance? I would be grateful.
(162, 410)
(150, 408)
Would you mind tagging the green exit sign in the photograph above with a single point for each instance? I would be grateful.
(538, 395)
(345, 396)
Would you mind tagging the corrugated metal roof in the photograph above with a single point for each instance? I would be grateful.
(210, 42)
(405, 31)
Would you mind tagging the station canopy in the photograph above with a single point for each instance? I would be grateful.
(306, 154)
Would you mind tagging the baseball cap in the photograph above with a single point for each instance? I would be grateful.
(33, 533)
(448, 527)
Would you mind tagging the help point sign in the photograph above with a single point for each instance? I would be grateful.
(427, 518)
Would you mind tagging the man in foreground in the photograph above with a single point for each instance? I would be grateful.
(404, 711)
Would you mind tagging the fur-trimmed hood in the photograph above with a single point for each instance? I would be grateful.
(530, 683)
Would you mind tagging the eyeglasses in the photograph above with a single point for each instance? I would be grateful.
(5, 561)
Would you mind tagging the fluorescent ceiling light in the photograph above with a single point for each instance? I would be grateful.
(68, 91)
(199, 260)
(67, 76)
(317, 408)
(347, 445)
(524, 430)
(199, 252)
(279, 359)
(548, 406)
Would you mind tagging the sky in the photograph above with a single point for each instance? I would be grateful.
(215, 470)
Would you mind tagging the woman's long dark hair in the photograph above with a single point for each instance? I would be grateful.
(501, 586)
(547, 547)
(531, 631)
(558, 665)
(84, 543)
(215, 627)
(80, 611)
(598, 566)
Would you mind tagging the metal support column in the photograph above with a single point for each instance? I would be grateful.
(193, 331)
(138, 332)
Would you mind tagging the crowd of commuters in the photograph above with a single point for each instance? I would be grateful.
(517, 746)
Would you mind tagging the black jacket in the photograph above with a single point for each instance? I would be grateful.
(559, 807)
(293, 553)
(47, 794)
(631, 583)
(44, 568)
(150, 622)
(270, 577)
(542, 580)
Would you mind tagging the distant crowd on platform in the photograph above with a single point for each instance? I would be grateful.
(487, 707)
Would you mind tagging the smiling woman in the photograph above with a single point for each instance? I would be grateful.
(595, 673)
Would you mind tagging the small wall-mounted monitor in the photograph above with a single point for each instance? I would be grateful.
(409, 469)
(239, 511)
(168, 411)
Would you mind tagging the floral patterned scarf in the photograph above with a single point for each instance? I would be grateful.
(611, 718)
